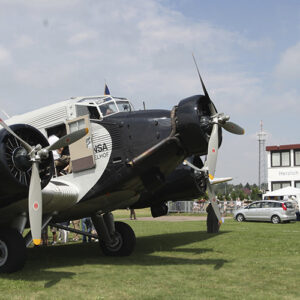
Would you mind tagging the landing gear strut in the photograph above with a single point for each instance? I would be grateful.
(115, 238)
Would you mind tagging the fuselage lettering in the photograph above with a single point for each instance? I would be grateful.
(100, 148)
(102, 155)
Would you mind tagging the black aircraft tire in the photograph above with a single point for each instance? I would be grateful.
(12, 251)
(125, 241)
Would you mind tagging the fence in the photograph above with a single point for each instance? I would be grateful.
(195, 207)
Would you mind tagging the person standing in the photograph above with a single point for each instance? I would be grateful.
(76, 225)
(86, 225)
(52, 139)
(132, 214)
(45, 236)
(64, 233)
(225, 207)
(54, 235)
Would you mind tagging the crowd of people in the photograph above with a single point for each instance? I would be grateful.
(62, 235)
(225, 206)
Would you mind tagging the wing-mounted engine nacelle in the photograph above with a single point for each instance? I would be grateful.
(159, 210)
(15, 165)
(181, 185)
(193, 123)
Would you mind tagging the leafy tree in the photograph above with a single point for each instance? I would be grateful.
(255, 193)
(241, 194)
(227, 197)
(220, 196)
(233, 195)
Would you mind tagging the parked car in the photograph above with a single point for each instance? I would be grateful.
(267, 210)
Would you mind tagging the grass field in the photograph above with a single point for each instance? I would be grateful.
(172, 260)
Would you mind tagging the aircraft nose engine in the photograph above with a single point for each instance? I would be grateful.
(193, 123)
(15, 164)
(38, 154)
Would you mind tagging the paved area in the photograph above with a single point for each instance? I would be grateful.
(174, 218)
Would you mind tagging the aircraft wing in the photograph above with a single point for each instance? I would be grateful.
(158, 161)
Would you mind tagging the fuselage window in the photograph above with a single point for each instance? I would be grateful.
(93, 112)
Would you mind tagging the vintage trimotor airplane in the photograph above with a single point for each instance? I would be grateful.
(120, 158)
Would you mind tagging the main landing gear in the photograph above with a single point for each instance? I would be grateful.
(12, 251)
(115, 238)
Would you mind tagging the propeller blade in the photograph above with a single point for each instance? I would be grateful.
(220, 180)
(202, 83)
(68, 139)
(213, 201)
(210, 190)
(211, 106)
(212, 152)
(24, 144)
(35, 204)
(233, 128)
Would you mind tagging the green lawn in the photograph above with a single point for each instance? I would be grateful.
(171, 261)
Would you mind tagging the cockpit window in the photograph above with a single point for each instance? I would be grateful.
(100, 107)
(107, 99)
(108, 108)
(123, 106)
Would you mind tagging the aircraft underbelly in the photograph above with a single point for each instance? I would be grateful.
(104, 203)
(58, 197)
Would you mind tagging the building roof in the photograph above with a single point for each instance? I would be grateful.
(283, 147)
(287, 191)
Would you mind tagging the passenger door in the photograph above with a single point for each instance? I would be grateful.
(253, 211)
(265, 211)
(81, 152)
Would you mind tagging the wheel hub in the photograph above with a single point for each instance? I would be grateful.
(116, 243)
(3, 253)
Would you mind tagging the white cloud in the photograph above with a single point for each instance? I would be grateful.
(39, 4)
(46, 77)
(24, 41)
(82, 37)
(287, 70)
(5, 56)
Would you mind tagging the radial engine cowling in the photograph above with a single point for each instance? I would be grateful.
(193, 123)
(15, 165)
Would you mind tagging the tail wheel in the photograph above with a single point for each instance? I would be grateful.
(12, 251)
(275, 219)
(240, 218)
(124, 241)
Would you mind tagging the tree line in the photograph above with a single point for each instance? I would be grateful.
(227, 191)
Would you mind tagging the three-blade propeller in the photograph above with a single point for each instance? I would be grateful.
(36, 154)
(217, 119)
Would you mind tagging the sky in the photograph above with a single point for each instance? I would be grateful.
(248, 53)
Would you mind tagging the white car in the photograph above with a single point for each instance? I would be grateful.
(267, 210)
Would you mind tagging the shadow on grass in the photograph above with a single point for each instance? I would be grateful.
(148, 252)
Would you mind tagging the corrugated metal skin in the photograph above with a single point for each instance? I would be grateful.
(50, 117)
